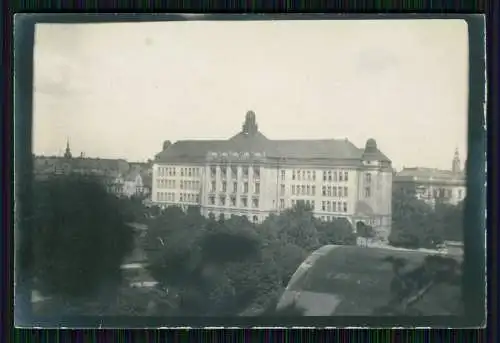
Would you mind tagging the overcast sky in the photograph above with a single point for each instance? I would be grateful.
(120, 90)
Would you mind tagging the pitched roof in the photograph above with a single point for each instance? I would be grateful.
(421, 173)
(97, 165)
(327, 148)
(251, 140)
(351, 280)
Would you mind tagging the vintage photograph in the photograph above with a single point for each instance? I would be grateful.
(250, 168)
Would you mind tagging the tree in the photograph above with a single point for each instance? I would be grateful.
(413, 221)
(80, 238)
(451, 217)
(365, 231)
(339, 232)
(295, 226)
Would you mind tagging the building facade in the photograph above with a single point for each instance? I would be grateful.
(432, 185)
(253, 176)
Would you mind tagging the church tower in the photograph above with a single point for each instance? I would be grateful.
(67, 153)
(455, 167)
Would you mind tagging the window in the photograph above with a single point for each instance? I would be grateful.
(308, 190)
(335, 176)
(303, 175)
(293, 174)
(213, 171)
(245, 171)
(340, 192)
(303, 191)
(298, 175)
(329, 191)
(329, 176)
(328, 206)
(255, 219)
(368, 178)
(309, 175)
(282, 190)
(235, 187)
(182, 171)
(345, 207)
(234, 172)
(367, 192)
(222, 201)
(244, 201)
(293, 189)
(345, 191)
(182, 184)
(223, 171)
(313, 190)
(324, 175)
(308, 204)
(282, 203)
(233, 201)
(323, 190)
(189, 172)
(256, 172)
(245, 187)
(181, 197)
(283, 175)
(255, 203)
(314, 175)
(197, 198)
(257, 188)
(334, 206)
(224, 186)
(212, 189)
(346, 176)
(211, 200)
(340, 176)
(323, 205)
(313, 204)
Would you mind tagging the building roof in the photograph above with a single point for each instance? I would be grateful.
(251, 140)
(107, 167)
(352, 280)
(416, 174)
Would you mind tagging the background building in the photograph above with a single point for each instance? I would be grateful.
(119, 176)
(251, 175)
(431, 185)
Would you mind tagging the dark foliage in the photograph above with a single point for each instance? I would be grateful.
(80, 238)
(339, 231)
(417, 225)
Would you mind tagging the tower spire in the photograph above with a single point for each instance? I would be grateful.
(455, 167)
(67, 153)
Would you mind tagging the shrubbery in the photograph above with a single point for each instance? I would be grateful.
(416, 224)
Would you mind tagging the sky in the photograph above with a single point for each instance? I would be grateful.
(119, 90)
